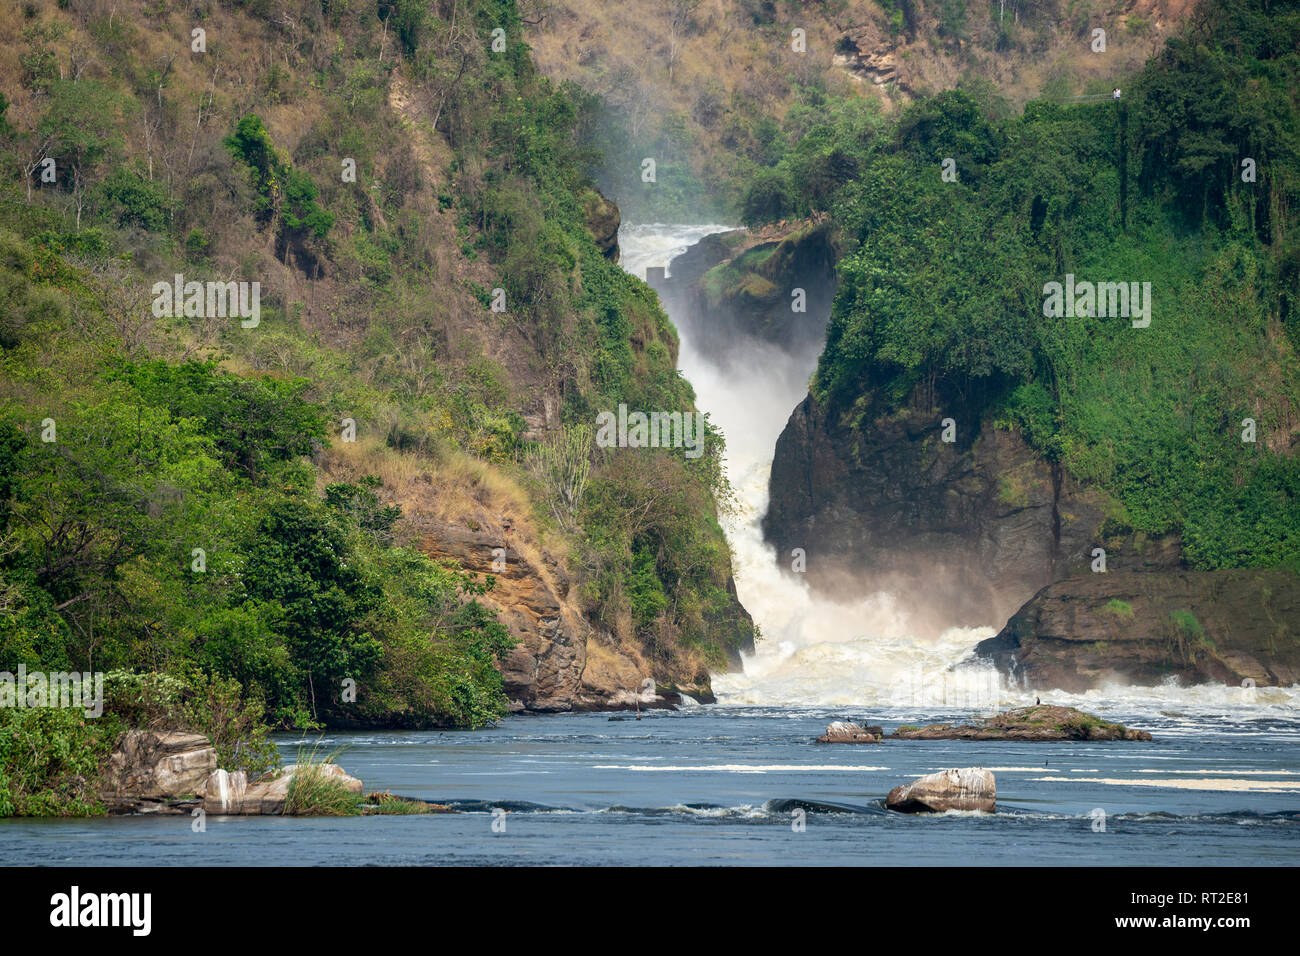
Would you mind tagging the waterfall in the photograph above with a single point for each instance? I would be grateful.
(813, 651)
(816, 652)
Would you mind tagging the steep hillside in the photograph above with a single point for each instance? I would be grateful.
(715, 90)
(370, 497)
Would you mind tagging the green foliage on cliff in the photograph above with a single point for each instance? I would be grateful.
(188, 511)
(942, 295)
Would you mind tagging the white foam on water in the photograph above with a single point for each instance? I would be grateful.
(743, 768)
(655, 244)
(1236, 786)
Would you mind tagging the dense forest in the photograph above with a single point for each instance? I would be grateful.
(211, 510)
(958, 212)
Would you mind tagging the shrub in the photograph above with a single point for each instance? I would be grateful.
(315, 793)
(49, 761)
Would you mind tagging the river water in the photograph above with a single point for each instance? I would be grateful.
(742, 782)
(720, 785)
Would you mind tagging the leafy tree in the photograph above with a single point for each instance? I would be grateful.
(304, 561)
(84, 123)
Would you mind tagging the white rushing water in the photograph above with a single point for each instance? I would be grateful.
(863, 653)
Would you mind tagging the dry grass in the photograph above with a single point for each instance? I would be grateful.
(449, 486)
(648, 69)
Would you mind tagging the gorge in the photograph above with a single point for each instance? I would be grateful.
(881, 574)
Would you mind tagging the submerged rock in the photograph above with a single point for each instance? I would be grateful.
(970, 788)
(386, 802)
(846, 732)
(1041, 722)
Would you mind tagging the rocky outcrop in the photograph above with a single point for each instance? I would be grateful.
(149, 769)
(868, 57)
(1039, 723)
(972, 788)
(735, 287)
(231, 793)
(1132, 627)
(170, 771)
(971, 528)
(544, 671)
(845, 732)
(603, 219)
(561, 662)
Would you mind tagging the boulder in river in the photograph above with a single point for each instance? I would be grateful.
(148, 768)
(970, 788)
(845, 732)
(1039, 723)
(230, 793)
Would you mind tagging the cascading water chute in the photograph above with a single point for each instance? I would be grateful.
(813, 651)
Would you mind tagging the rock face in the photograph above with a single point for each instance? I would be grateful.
(984, 531)
(974, 527)
(972, 788)
(156, 766)
(544, 671)
(868, 57)
(230, 793)
(603, 219)
(1133, 627)
(738, 286)
(1039, 723)
(562, 662)
(844, 732)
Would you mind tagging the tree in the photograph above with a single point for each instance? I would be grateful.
(304, 560)
(562, 463)
(83, 125)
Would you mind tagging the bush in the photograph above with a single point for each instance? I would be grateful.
(314, 793)
(213, 706)
(136, 201)
(49, 761)
(768, 198)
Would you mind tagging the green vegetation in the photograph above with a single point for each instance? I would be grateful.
(313, 792)
(285, 195)
(49, 760)
(180, 502)
(1189, 629)
(941, 298)
(199, 703)
(1120, 608)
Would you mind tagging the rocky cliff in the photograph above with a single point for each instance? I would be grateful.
(1134, 627)
(982, 530)
(971, 529)
(561, 661)
(773, 286)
